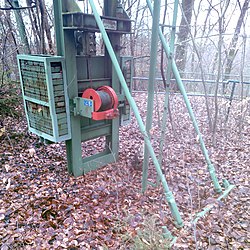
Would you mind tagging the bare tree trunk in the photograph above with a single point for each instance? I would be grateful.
(12, 34)
(200, 65)
(45, 24)
(232, 51)
(10, 27)
(21, 26)
(139, 17)
(35, 26)
(217, 84)
(3, 59)
(183, 34)
(42, 36)
(196, 14)
(243, 111)
(133, 35)
(221, 32)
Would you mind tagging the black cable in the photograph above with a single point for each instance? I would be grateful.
(19, 8)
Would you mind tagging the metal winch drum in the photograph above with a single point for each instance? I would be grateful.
(105, 102)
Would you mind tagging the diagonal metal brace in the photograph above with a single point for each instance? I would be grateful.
(180, 84)
(171, 201)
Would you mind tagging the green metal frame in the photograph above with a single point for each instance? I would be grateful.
(168, 193)
(107, 71)
(168, 50)
(90, 72)
(180, 84)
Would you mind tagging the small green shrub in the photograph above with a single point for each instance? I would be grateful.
(10, 97)
(149, 234)
(150, 237)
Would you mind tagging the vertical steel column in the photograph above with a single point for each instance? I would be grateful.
(110, 7)
(169, 70)
(168, 193)
(151, 84)
(210, 166)
(71, 6)
(57, 5)
(112, 141)
(66, 47)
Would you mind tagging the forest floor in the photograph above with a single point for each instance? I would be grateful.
(43, 207)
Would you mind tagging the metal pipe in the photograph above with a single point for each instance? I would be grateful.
(167, 91)
(151, 84)
(167, 235)
(189, 80)
(208, 208)
(168, 193)
(189, 94)
(58, 27)
(176, 73)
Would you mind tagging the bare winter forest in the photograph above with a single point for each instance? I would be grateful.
(42, 206)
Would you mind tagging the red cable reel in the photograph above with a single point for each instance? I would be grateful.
(105, 102)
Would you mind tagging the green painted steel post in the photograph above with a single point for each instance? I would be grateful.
(71, 6)
(110, 7)
(113, 141)
(209, 207)
(167, 90)
(151, 84)
(57, 5)
(176, 73)
(66, 47)
(168, 193)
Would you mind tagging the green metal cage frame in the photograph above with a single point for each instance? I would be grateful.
(50, 103)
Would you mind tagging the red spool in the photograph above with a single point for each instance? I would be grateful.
(93, 95)
(105, 102)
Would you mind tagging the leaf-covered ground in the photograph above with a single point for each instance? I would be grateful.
(43, 207)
